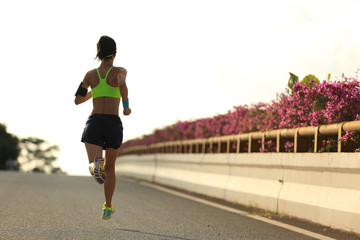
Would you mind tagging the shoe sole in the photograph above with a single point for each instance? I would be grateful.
(99, 172)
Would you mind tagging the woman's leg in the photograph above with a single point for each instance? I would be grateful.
(92, 152)
(109, 185)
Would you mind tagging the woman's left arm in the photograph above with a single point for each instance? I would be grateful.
(124, 90)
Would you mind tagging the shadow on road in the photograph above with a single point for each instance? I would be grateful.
(154, 234)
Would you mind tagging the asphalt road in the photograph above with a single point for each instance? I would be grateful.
(38, 206)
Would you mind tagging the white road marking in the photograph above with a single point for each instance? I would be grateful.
(237, 211)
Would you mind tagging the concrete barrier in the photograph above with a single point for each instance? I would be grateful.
(138, 167)
(323, 188)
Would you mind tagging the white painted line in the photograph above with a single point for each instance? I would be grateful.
(237, 211)
(229, 209)
(292, 228)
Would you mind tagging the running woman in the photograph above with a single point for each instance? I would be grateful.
(103, 130)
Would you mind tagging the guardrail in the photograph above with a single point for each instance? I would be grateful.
(305, 139)
(323, 188)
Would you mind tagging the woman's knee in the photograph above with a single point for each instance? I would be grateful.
(109, 167)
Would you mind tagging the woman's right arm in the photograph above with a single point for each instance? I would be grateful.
(85, 84)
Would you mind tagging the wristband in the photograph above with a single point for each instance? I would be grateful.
(126, 103)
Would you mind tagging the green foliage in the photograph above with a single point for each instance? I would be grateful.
(308, 78)
(292, 80)
(9, 148)
(329, 145)
(39, 153)
(35, 154)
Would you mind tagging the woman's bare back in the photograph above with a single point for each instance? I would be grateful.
(105, 105)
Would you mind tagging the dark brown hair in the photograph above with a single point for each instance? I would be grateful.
(106, 48)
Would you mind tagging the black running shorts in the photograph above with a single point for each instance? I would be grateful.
(104, 130)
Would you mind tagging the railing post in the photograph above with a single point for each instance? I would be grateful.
(296, 139)
(263, 141)
(339, 136)
(238, 144)
(249, 143)
(204, 145)
(219, 145)
(278, 142)
(228, 145)
(316, 139)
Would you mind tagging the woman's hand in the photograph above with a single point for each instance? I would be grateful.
(127, 111)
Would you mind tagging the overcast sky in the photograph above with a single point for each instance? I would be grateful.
(185, 59)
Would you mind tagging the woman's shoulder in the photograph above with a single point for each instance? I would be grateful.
(90, 75)
(121, 70)
(121, 73)
(91, 72)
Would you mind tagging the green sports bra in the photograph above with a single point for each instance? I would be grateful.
(103, 89)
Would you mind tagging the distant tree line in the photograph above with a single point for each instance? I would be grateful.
(30, 154)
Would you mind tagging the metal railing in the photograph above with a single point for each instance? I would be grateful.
(304, 139)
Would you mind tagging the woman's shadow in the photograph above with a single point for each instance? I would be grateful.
(154, 234)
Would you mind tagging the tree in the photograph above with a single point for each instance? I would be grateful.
(9, 148)
(38, 155)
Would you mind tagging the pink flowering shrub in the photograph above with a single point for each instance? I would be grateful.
(269, 146)
(306, 104)
(351, 137)
(324, 103)
(329, 145)
(289, 146)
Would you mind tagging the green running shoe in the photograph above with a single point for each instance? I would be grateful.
(107, 211)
